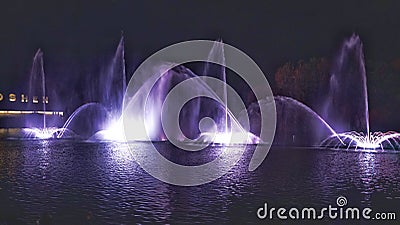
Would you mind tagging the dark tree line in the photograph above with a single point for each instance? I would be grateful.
(384, 94)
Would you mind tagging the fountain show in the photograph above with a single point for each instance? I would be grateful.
(199, 112)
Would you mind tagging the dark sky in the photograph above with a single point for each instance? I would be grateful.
(74, 34)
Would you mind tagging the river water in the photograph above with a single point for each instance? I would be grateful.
(69, 182)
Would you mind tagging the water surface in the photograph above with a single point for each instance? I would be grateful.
(100, 183)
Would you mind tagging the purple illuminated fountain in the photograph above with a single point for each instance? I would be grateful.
(229, 128)
(219, 71)
(142, 108)
(147, 102)
(347, 105)
(344, 119)
(37, 84)
(344, 116)
(201, 120)
(36, 102)
(101, 120)
(114, 83)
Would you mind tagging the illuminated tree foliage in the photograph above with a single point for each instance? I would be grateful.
(304, 80)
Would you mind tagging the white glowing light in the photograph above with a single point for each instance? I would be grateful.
(227, 138)
(41, 133)
(114, 132)
(368, 145)
(354, 139)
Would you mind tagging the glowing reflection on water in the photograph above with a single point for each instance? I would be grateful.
(103, 178)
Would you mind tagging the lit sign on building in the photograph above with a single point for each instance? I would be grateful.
(24, 98)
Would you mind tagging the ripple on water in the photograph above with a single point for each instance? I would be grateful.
(74, 181)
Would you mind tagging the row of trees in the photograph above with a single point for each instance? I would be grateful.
(306, 81)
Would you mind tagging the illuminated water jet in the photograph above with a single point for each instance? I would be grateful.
(207, 98)
(37, 87)
(94, 120)
(347, 104)
(36, 125)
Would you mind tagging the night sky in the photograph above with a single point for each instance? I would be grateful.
(75, 35)
(270, 32)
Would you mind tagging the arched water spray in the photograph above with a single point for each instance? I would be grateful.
(78, 111)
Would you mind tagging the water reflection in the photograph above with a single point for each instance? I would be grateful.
(8, 161)
(120, 153)
(44, 157)
(100, 182)
(366, 165)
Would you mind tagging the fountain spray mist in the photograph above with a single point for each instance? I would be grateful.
(346, 107)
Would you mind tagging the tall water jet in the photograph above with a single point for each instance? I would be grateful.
(37, 99)
(219, 71)
(346, 107)
(37, 88)
(145, 108)
(113, 82)
(98, 117)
